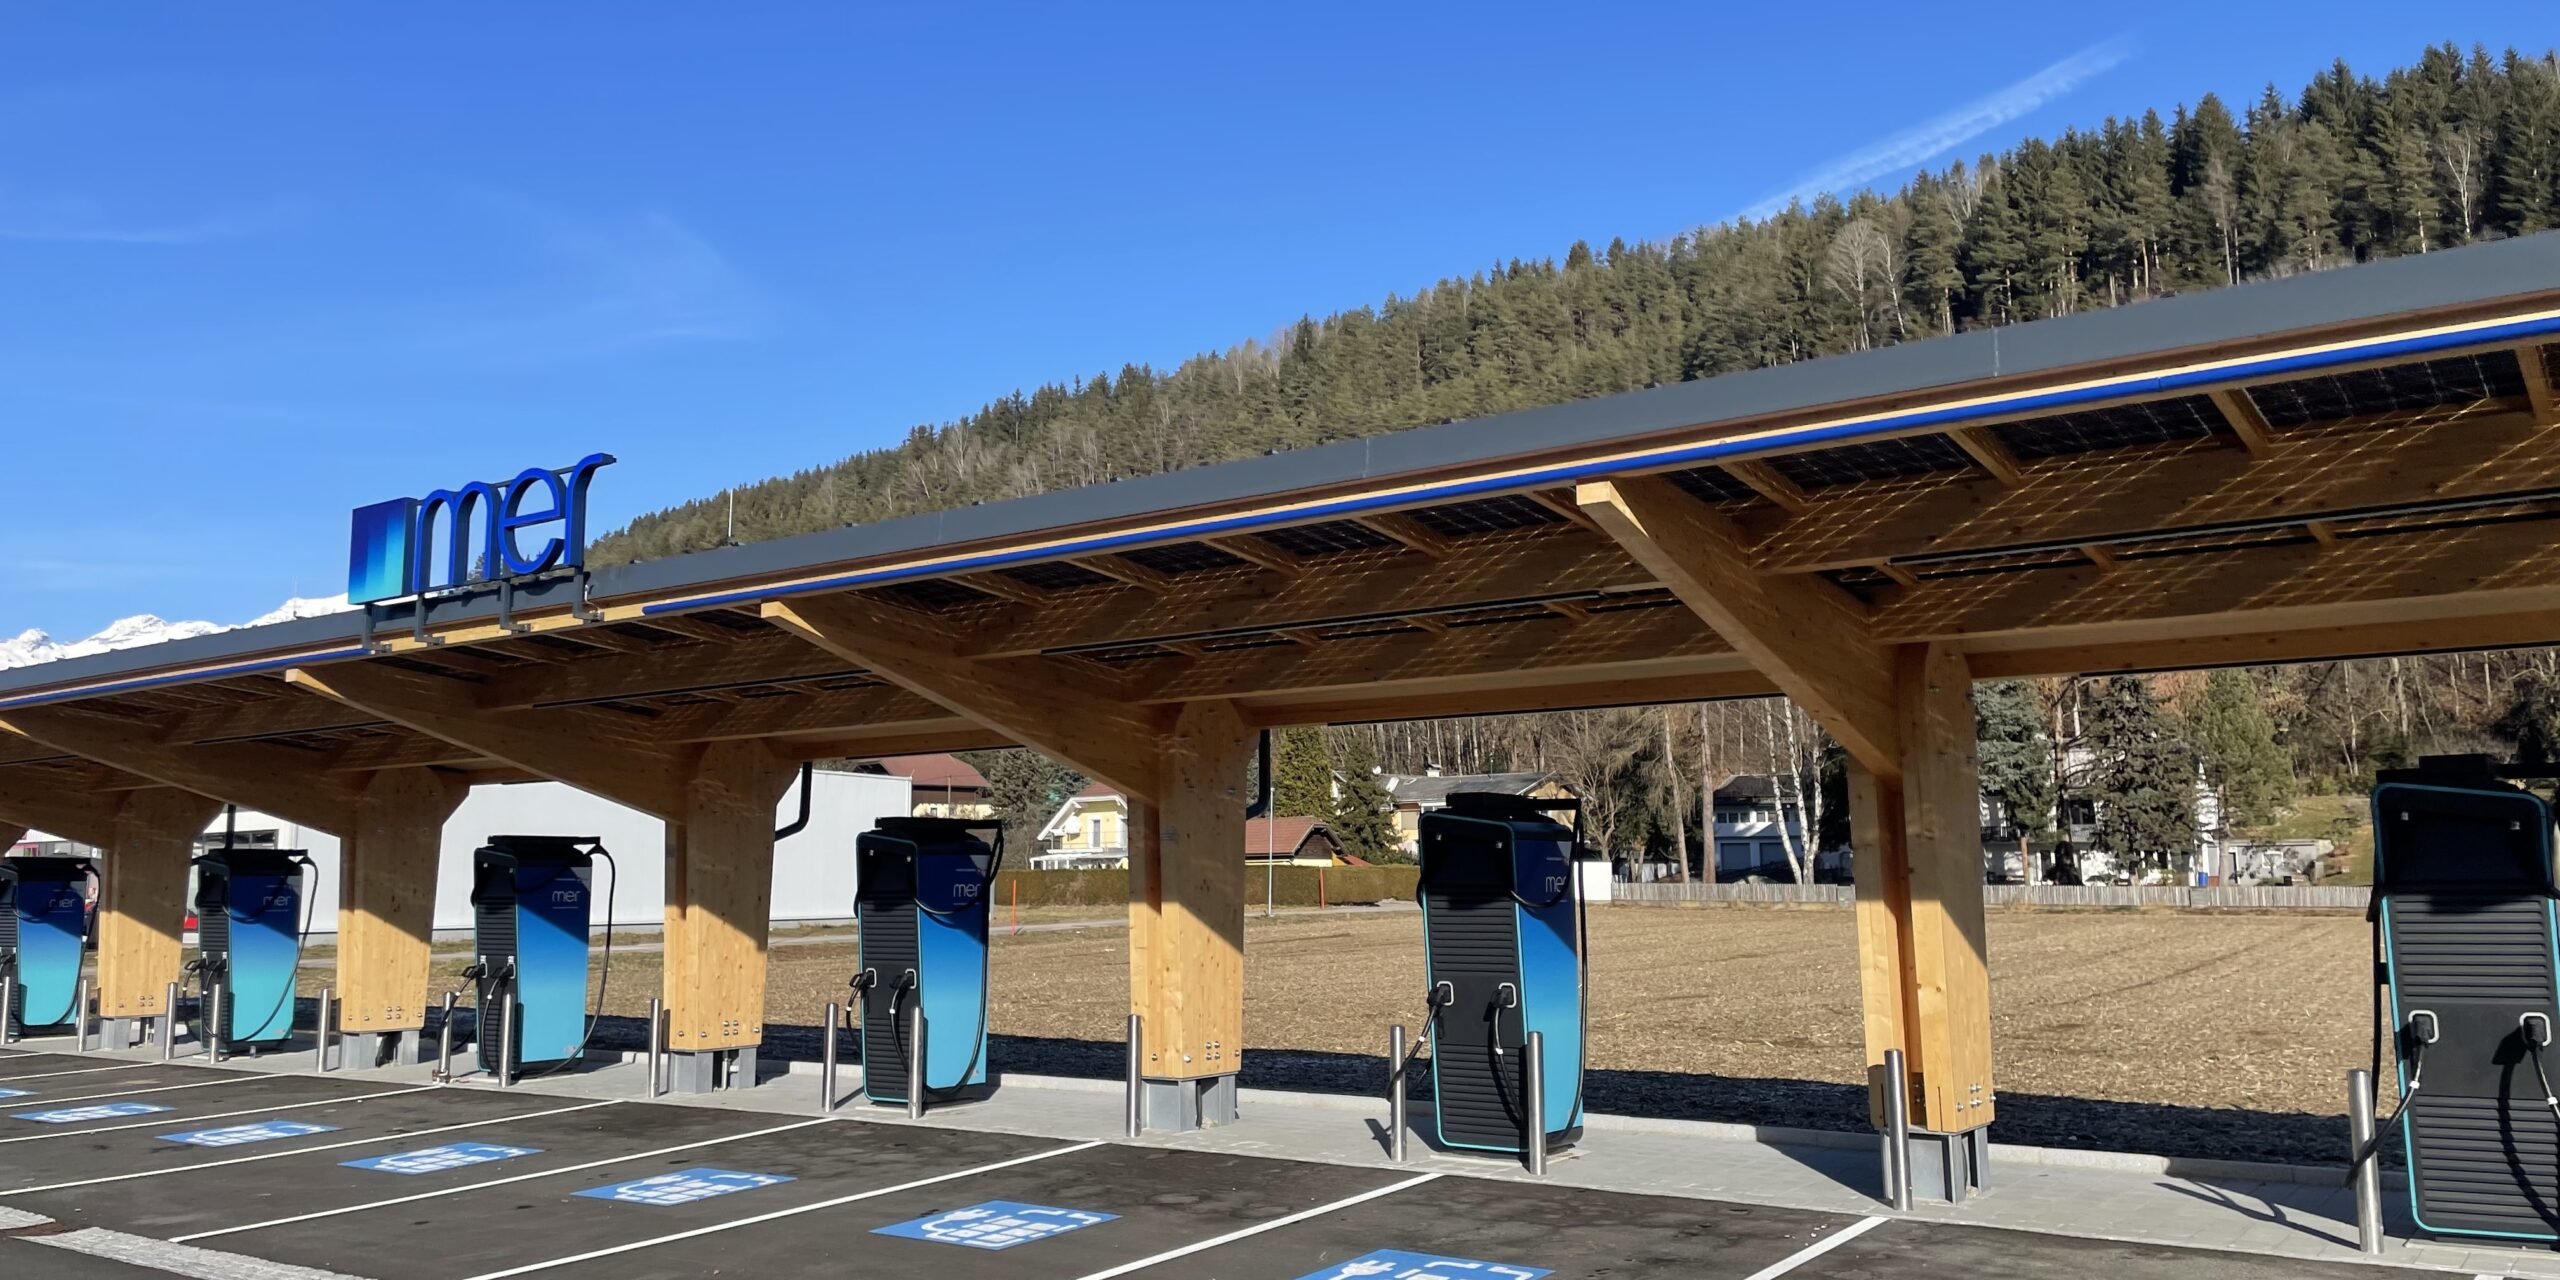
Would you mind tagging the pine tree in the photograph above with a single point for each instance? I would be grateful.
(1363, 815)
(2235, 740)
(1024, 788)
(2144, 777)
(1301, 775)
(2014, 745)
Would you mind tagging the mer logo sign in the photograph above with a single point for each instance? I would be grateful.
(392, 552)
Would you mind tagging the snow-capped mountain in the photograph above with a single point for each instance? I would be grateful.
(32, 647)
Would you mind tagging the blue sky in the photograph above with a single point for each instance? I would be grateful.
(263, 265)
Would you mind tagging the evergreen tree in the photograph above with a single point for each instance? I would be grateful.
(1301, 775)
(2235, 740)
(1363, 815)
(2144, 777)
(2531, 722)
(1024, 788)
(2014, 746)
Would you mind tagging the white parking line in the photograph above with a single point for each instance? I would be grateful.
(82, 1071)
(166, 1120)
(166, 1088)
(1815, 1250)
(305, 1151)
(495, 1182)
(531, 1267)
(178, 1259)
(1258, 1228)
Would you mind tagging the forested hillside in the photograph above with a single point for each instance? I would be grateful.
(2451, 149)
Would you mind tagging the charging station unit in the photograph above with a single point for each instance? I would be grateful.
(531, 905)
(921, 898)
(2468, 961)
(250, 919)
(1502, 939)
(44, 905)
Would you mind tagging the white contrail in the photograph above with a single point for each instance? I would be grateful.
(1931, 138)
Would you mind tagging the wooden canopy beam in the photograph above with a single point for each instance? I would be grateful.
(574, 746)
(1495, 568)
(1262, 555)
(1036, 707)
(288, 782)
(1410, 533)
(78, 814)
(2241, 416)
(1770, 483)
(1124, 569)
(1987, 453)
(1809, 636)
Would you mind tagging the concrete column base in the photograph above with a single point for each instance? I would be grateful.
(1181, 1106)
(371, 1050)
(715, 1069)
(1948, 1168)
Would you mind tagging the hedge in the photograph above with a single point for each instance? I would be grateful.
(1290, 886)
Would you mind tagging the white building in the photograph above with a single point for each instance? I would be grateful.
(812, 871)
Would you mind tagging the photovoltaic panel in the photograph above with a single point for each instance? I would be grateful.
(1182, 557)
(1713, 484)
(1054, 575)
(2397, 388)
(1487, 515)
(937, 593)
(1872, 460)
(1325, 538)
(2113, 427)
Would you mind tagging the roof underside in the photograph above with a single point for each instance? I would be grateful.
(2310, 492)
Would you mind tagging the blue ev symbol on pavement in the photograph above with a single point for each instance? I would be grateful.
(103, 1111)
(1396, 1264)
(17, 1093)
(684, 1186)
(244, 1133)
(453, 1155)
(996, 1224)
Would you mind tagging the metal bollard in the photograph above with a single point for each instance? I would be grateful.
(2368, 1162)
(8, 1010)
(80, 1019)
(507, 1040)
(1533, 1087)
(1897, 1132)
(169, 1023)
(1133, 1119)
(827, 1060)
(915, 1061)
(444, 1039)
(213, 1037)
(324, 1015)
(657, 1024)
(1395, 1093)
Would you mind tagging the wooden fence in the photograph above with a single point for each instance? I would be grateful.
(2218, 898)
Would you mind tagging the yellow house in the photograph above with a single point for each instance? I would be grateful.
(1419, 793)
(1092, 830)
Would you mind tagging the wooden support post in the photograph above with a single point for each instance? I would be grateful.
(142, 898)
(1183, 770)
(1904, 714)
(1923, 972)
(1186, 899)
(387, 898)
(719, 876)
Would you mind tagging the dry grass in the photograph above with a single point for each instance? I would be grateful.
(2259, 1012)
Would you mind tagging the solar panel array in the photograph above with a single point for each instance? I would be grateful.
(2398, 388)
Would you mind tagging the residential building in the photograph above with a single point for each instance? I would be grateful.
(1754, 827)
(1417, 794)
(944, 785)
(1091, 830)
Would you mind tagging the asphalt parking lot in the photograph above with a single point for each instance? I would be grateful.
(129, 1171)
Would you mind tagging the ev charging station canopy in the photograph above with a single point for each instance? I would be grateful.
(2348, 463)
